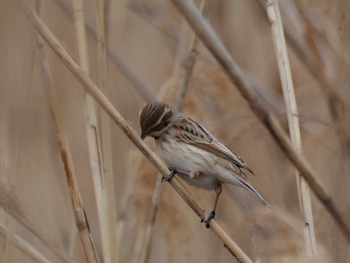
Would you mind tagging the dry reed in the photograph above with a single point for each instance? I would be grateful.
(25, 246)
(66, 155)
(293, 120)
(93, 138)
(267, 118)
(338, 108)
(9, 241)
(94, 91)
(135, 80)
(106, 133)
(9, 205)
(188, 62)
(146, 246)
(311, 58)
(186, 69)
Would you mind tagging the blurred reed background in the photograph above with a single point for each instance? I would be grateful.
(146, 47)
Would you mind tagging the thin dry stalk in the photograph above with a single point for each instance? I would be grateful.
(84, 79)
(315, 66)
(106, 132)
(50, 245)
(230, 244)
(142, 89)
(26, 247)
(319, 34)
(146, 10)
(8, 244)
(140, 86)
(186, 70)
(293, 120)
(264, 114)
(66, 155)
(146, 247)
(189, 61)
(93, 139)
(338, 108)
(314, 70)
(78, 14)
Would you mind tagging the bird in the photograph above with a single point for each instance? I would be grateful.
(193, 153)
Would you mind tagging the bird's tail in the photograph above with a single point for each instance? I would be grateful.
(247, 186)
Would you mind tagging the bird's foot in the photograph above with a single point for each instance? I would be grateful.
(194, 175)
(171, 175)
(209, 218)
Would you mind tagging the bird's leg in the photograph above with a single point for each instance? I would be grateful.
(194, 175)
(218, 191)
(171, 175)
(211, 216)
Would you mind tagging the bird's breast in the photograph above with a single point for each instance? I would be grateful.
(185, 157)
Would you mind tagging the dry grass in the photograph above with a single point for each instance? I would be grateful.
(285, 73)
(96, 158)
(32, 173)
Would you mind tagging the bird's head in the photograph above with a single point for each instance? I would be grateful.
(155, 118)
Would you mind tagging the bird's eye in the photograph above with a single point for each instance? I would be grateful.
(160, 126)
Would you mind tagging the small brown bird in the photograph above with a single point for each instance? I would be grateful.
(192, 152)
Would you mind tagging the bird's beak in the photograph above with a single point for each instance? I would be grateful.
(143, 135)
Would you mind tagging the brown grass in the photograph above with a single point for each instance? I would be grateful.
(280, 46)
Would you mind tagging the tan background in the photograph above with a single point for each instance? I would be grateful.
(147, 34)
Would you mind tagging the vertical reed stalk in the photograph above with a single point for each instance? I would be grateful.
(293, 120)
(66, 155)
(311, 58)
(140, 86)
(262, 112)
(185, 74)
(188, 62)
(106, 132)
(93, 137)
(146, 246)
(78, 208)
(94, 91)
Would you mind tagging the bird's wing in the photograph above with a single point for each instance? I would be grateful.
(191, 132)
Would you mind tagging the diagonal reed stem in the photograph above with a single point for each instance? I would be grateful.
(188, 62)
(93, 138)
(186, 69)
(94, 91)
(66, 155)
(293, 120)
(311, 59)
(135, 80)
(48, 243)
(264, 114)
(25, 246)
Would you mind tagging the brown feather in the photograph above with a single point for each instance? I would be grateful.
(191, 132)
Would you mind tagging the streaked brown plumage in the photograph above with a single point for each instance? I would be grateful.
(190, 150)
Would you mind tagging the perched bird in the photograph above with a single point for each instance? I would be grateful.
(192, 152)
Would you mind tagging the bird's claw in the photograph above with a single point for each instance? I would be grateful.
(209, 218)
(171, 175)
